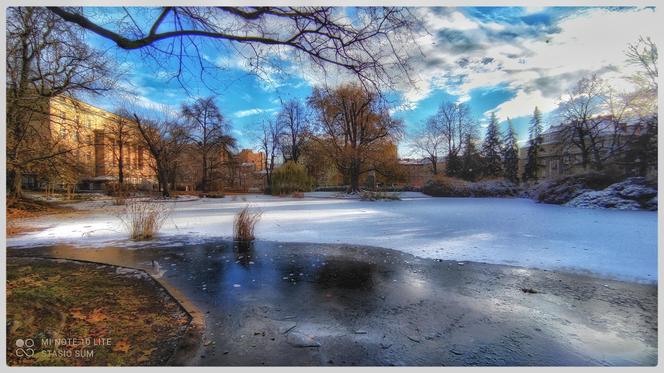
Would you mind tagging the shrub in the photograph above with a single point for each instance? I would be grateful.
(289, 178)
(143, 219)
(562, 190)
(213, 195)
(298, 195)
(119, 194)
(445, 186)
(375, 196)
(243, 226)
(119, 200)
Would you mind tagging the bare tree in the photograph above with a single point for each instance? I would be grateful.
(269, 144)
(643, 54)
(46, 57)
(641, 154)
(294, 122)
(353, 123)
(593, 122)
(209, 135)
(370, 44)
(430, 142)
(118, 133)
(164, 139)
(453, 122)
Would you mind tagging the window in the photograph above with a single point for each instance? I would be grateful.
(140, 157)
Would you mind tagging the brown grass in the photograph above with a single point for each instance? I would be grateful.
(243, 226)
(143, 219)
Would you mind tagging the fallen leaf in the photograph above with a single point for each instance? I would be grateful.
(121, 346)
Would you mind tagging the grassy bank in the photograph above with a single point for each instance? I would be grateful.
(105, 315)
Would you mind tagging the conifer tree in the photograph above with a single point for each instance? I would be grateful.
(471, 162)
(534, 146)
(511, 154)
(492, 149)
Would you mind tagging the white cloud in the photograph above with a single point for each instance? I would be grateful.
(523, 104)
(537, 64)
(455, 20)
(250, 112)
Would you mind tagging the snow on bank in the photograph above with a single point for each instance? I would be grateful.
(520, 232)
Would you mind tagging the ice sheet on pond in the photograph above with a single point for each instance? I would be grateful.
(520, 232)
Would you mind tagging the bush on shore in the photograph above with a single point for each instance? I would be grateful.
(368, 195)
(212, 195)
(562, 190)
(444, 186)
(290, 178)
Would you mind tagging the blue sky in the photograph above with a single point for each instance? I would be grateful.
(502, 59)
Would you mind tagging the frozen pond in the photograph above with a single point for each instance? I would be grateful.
(519, 232)
(272, 303)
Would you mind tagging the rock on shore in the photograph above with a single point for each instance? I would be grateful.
(631, 194)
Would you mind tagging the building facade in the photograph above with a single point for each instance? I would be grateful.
(96, 149)
(560, 153)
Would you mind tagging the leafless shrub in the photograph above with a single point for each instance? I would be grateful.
(298, 194)
(143, 219)
(243, 226)
(119, 200)
(119, 195)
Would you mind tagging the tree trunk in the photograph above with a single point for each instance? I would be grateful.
(204, 180)
(14, 183)
(162, 176)
(120, 163)
(354, 176)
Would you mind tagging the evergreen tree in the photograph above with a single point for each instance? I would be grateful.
(454, 166)
(471, 161)
(511, 154)
(534, 146)
(492, 149)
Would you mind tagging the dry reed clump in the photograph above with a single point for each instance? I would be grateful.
(143, 219)
(243, 226)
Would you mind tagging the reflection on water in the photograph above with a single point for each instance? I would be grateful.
(345, 274)
(244, 252)
(230, 272)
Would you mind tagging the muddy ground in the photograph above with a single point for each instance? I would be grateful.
(313, 304)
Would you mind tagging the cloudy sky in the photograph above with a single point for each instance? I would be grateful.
(502, 59)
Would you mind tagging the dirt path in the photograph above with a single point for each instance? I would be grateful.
(305, 304)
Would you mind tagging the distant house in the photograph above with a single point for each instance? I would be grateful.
(418, 171)
(560, 157)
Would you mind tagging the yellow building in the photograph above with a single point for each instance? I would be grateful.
(95, 144)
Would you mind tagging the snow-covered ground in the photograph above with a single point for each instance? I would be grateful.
(520, 232)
